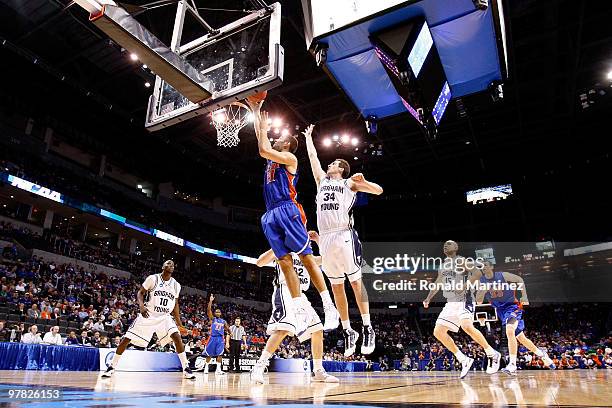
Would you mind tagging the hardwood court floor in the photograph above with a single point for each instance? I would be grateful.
(578, 388)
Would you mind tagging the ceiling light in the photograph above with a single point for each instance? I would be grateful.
(354, 141)
(345, 139)
(327, 142)
(134, 57)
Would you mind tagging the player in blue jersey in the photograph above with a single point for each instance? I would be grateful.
(500, 291)
(284, 223)
(216, 342)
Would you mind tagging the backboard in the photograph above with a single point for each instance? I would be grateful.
(237, 60)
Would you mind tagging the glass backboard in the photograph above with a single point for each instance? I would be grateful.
(242, 58)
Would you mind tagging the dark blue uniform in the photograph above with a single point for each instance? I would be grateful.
(284, 222)
(505, 302)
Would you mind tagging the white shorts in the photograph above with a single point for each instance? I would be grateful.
(283, 317)
(452, 314)
(142, 329)
(341, 253)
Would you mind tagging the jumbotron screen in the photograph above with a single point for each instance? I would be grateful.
(489, 194)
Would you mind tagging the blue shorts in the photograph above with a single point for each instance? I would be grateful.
(285, 228)
(214, 346)
(509, 312)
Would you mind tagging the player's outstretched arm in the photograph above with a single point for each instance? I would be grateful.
(315, 164)
(474, 274)
(140, 298)
(433, 292)
(209, 308)
(480, 296)
(265, 147)
(260, 121)
(357, 182)
(510, 277)
(265, 258)
(176, 313)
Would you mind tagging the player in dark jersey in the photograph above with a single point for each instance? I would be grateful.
(284, 223)
(510, 311)
(216, 342)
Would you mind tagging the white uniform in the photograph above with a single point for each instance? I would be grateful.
(159, 301)
(283, 317)
(339, 243)
(460, 301)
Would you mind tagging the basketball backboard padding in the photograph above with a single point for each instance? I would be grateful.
(122, 28)
(470, 43)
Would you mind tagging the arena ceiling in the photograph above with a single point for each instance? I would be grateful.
(65, 67)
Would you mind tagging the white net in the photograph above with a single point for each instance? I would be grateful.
(228, 121)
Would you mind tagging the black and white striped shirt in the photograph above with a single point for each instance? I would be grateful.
(236, 332)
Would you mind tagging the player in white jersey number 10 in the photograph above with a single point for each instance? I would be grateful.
(159, 313)
(339, 243)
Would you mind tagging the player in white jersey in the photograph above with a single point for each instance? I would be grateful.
(459, 309)
(338, 241)
(283, 321)
(158, 302)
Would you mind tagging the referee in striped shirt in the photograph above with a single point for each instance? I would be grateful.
(237, 339)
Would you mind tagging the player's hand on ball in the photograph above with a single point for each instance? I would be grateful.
(144, 312)
(426, 303)
(212, 297)
(308, 132)
(254, 105)
(358, 177)
(525, 302)
(183, 330)
(314, 236)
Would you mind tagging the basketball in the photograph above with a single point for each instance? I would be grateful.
(258, 97)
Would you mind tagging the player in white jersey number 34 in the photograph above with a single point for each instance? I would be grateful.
(339, 243)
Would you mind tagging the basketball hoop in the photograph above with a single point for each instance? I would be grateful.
(228, 121)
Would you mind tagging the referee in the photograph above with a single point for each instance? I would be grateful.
(237, 338)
